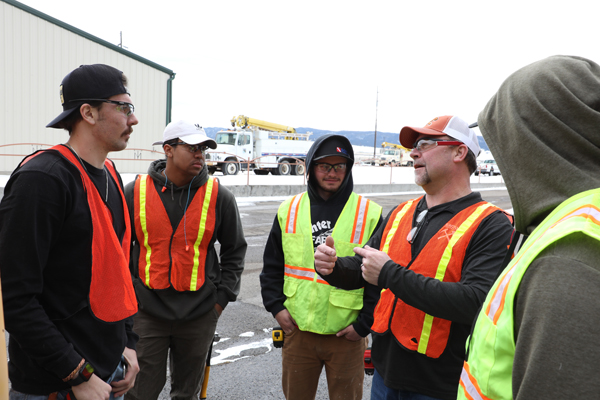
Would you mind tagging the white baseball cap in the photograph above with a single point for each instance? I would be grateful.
(188, 133)
(445, 125)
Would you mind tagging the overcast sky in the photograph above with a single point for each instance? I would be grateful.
(319, 64)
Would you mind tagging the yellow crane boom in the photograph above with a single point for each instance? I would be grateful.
(394, 145)
(242, 121)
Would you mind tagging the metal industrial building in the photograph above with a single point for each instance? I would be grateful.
(36, 52)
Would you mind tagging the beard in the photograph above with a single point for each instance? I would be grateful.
(422, 176)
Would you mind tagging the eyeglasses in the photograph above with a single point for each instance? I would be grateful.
(424, 145)
(325, 168)
(124, 107)
(192, 148)
(415, 230)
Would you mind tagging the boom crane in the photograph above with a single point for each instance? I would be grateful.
(244, 122)
(260, 146)
(394, 145)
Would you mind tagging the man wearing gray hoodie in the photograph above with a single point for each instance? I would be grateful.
(182, 285)
(536, 336)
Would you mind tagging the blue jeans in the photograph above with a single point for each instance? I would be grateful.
(381, 392)
(62, 395)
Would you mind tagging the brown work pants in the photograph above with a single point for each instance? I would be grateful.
(305, 353)
(188, 343)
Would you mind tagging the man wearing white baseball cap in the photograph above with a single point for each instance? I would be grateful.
(434, 258)
(182, 284)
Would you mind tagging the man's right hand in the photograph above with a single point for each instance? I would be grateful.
(325, 257)
(94, 389)
(285, 321)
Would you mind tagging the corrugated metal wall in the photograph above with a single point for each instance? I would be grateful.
(35, 55)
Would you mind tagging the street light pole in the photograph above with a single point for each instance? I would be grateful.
(375, 138)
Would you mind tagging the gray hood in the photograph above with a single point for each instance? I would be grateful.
(543, 128)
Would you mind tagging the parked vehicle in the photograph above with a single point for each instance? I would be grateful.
(488, 167)
(390, 153)
(275, 148)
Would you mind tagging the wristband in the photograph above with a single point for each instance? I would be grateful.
(85, 373)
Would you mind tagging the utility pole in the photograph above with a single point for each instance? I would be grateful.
(375, 139)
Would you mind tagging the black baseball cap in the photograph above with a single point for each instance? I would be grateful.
(96, 81)
(336, 145)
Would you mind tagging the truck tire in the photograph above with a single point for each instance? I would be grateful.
(299, 168)
(409, 164)
(230, 168)
(211, 170)
(284, 168)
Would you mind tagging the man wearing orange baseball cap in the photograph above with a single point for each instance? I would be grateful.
(434, 258)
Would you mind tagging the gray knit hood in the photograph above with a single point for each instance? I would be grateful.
(543, 128)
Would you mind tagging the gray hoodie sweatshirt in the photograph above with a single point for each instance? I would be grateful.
(223, 272)
(543, 127)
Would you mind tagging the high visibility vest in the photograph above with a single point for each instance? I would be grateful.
(487, 372)
(441, 258)
(112, 297)
(314, 304)
(173, 258)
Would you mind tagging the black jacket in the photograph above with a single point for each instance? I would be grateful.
(458, 302)
(45, 260)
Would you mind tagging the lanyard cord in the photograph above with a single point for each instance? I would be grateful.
(187, 247)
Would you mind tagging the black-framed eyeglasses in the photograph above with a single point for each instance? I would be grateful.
(415, 230)
(424, 145)
(325, 168)
(122, 106)
(192, 148)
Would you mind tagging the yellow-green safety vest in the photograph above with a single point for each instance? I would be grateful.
(314, 304)
(487, 372)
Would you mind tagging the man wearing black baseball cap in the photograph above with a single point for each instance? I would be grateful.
(434, 258)
(64, 251)
(323, 325)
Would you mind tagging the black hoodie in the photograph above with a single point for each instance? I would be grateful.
(324, 215)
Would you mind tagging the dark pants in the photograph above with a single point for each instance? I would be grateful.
(381, 392)
(187, 344)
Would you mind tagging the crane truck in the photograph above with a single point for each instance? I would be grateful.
(395, 153)
(261, 146)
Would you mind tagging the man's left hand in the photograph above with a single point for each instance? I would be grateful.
(121, 387)
(373, 261)
(349, 333)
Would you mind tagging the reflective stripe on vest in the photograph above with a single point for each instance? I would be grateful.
(441, 258)
(469, 385)
(314, 304)
(166, 259)
(357, 233)
(491, 348)
(112, 297)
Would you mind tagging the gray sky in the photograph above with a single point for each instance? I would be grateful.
(319, 64)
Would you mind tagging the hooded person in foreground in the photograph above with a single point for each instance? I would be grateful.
(323, 325)
(543, 127)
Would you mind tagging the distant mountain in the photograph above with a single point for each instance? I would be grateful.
(357, 138)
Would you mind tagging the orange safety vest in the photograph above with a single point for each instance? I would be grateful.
(441, 258)
(166, 259)
(112, 297)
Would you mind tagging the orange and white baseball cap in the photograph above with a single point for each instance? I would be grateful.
(445, 125)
